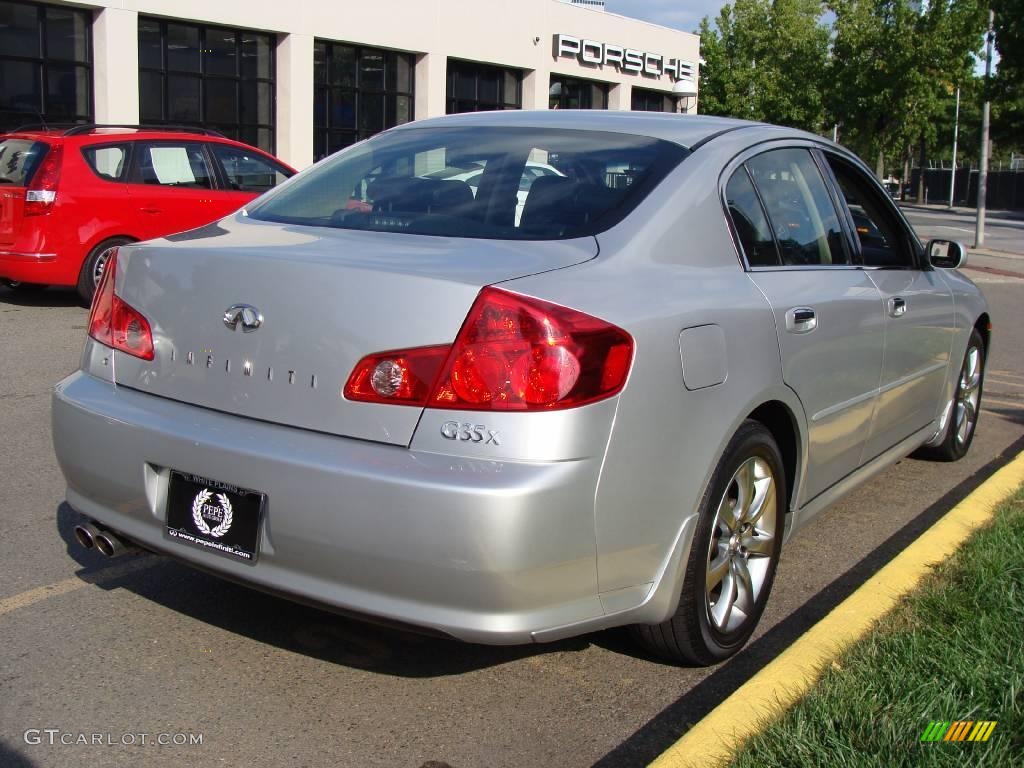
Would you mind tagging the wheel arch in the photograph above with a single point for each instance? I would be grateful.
(984, 326)
(778, 419)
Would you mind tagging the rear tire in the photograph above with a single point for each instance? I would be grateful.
(962, 421)
(733, 556)
(93, 266)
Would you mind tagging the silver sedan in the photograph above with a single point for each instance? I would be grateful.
(384, 392)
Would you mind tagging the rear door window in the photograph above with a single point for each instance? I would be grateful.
(19, 159)
(109, 162)
(173, 164)
(800, 208)
(247, 171)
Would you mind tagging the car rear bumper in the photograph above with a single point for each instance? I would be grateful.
(29, 266)
(485, 551)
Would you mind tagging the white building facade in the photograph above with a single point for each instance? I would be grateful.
(307, 77)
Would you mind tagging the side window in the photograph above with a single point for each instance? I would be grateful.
(799, 208)
(107, 162)
(169, 164)
(248, 171)
(883, 240)
(749, 221)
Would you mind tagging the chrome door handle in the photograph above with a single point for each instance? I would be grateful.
(897, 306)
(801, 320)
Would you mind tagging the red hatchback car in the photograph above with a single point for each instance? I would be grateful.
(67, 197)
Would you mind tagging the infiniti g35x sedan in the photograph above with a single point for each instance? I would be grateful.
(376, 390)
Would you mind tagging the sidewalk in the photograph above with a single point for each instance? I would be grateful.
(959, 210)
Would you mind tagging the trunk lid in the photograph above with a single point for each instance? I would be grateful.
(327, 298)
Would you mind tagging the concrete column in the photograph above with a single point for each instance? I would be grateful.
(115, 35)
(620, 96)
(295, 100)
(536, 85)
(431, 85)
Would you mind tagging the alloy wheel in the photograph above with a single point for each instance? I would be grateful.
(742, 545)
(968, 395)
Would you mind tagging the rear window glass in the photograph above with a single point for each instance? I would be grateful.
(19, 159)
(107, 162)
(499, 183)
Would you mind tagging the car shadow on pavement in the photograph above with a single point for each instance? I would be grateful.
(45, 297)
(665, 728)
(12, 758)
(1016, 415)
(287, 625)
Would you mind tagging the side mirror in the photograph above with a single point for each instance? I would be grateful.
(947, 254)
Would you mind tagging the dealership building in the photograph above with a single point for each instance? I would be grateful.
(305, 78)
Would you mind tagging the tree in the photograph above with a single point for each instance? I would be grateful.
(764, 60)
(1010, 39)
(893, 68)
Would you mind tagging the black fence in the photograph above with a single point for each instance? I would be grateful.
(1005, 188)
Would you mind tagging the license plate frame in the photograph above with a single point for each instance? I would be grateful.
(214, 516)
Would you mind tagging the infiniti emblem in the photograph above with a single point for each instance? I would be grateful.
(246, 314)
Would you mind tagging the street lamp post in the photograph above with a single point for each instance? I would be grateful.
(956, 131)
(979, 227)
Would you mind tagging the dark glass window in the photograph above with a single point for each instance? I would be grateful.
(45, 64)
(799, 208)
(476, 87)
(883, 241)
(108, 161)
(570, 93)
(213, 77)
(644, 100)
(749, 221)
(172, 164)
(248, 171)
(485, 182)
(359, 92)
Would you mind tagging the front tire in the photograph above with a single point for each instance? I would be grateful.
(962, 421)
(92, 268)
(733, 557)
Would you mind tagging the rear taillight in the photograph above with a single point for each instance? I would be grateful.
(115, 323)
(513, 353)
(42, 190)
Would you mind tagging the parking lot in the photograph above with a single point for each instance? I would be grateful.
(141, 650)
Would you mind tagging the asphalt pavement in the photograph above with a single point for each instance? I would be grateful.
(124, 654)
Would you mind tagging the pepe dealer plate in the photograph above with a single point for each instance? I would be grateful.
(214, 516)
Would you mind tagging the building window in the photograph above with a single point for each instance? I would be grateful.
(213, 77)
(476, 87)
(570, 93)
(45, 64)
(359, 92)
(652, 101)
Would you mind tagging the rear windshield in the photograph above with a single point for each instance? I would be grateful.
(498, 183)
(19, 159)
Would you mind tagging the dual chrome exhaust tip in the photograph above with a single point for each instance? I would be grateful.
(107, 543)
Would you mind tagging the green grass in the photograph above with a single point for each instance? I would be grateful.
(953, 650)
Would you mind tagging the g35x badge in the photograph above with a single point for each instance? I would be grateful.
(474, 433)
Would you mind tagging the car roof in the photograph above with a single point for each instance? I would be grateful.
(86, 133)
(688, 131)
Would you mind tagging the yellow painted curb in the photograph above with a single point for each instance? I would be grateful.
(715, 739)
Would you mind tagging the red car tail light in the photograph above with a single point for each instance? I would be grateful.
(42, 190)
(513, 353)
(403, 377)
(115, 323)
